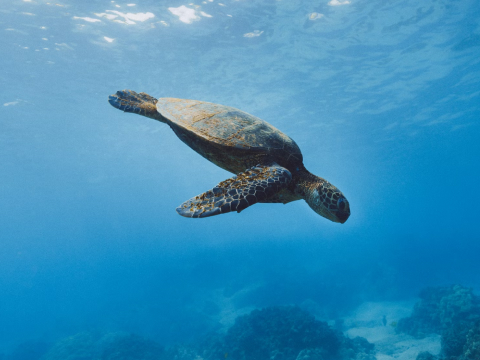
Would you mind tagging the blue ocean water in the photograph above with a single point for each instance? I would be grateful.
(382, 97)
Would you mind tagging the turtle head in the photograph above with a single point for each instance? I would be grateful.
(326, 200)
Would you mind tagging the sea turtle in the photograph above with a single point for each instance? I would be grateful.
(268, 164)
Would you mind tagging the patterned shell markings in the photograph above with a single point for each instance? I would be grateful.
(225, 125)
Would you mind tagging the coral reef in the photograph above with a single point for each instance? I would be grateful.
(453, 312)
(78, 347)
(454, 339)
(128, 347)
(112, 346)
(357, 348)
(425, 355)
(462, 343)
(281, 332)
(182, 352)
(471, 349)
(439, 309)
(286, 333)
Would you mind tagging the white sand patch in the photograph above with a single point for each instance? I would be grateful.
(404, 347)
(367, 321)
(371, 313)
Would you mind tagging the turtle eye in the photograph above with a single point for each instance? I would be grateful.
(341, 203)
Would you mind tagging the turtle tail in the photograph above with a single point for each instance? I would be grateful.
(138, 103)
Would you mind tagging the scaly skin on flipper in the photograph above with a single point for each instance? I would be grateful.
(137, 103)
(239, 192)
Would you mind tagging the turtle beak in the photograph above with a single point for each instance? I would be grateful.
(342, 216)
(343, 212)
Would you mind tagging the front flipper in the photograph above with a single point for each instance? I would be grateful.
(238, 192)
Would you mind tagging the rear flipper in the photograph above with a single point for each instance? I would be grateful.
(130, 101)
(238, 192)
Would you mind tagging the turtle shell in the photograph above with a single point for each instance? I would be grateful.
(226, 126)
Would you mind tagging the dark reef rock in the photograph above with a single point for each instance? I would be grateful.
(129, 347)
(462, 343)
(112, 346)
(281, 332)
(78, 347)
(286, 333)
(181, 352)
(439, 309)
(357, 348)
(471, 350)
(454, 339)
(425, 355)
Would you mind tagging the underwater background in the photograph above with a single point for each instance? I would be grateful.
(383, 98)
